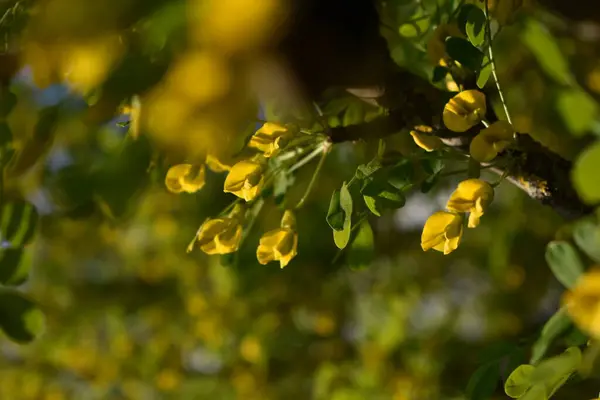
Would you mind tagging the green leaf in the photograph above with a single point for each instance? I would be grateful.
(537, 392)
(462, 51)
(342, 237)
(585, 174)
(484, 72)
(362, 250)
(519, 381)
(484, 381)
(355, 114)
(554, 327)
(439, 73)
(463, 16)
(587, 236)
(365, 170)
(475, 26)
(18, 222)
(555, 371)
(564, 262)
(20, 318)
(14, 266)
(549, 56)
(577, 109)
(335, 214)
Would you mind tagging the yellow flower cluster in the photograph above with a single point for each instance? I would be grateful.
(444, 229)
(464, 110)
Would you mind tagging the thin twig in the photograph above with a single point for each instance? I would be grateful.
(315, 175)
(488, 32)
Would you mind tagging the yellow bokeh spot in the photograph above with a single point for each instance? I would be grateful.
(251, 349)
(168, 379)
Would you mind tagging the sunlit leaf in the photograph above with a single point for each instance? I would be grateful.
(362, 249)
(342, 237)
(585, 174)
(519, 381)
(554, 327)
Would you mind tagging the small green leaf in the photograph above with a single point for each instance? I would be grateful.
(537, 392)
(20, 318)
(484, 72)
(464, 52)
(484, 381)
(14, 266)
(342, 237)
(564, 262)
(475, 26)
(18, 222)
(439, 73)
(519, 381)
(463, 16)
(587, 237)
(335, 214)
(554, 327)
(585, 174)
(554, 372)
(365, 170)
(362, 250)
(355, 114)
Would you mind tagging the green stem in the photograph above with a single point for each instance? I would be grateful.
(488, 32)
(314, 177)
(309, 157)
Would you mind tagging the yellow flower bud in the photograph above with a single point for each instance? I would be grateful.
(464, 110)
(245, 179)
(185, 178)
(425, 141)
(472, 196)
(442, 232)
(491, 141)
(583, 303)
(269, 139)
(222, 235)
(279, 244)
(436, 46)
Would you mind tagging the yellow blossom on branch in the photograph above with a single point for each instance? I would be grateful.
(222, 235)
(583, 303)
(422, 137)
(269, 139)
(464, 110)
(491, 141)
(442, 232)
(245, 179)
(185, 178)
(472, 196)
(279, 244)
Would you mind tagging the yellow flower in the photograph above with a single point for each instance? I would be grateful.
(425, 140)
(215, 165)
(464, 110)
(222, 235)
(436, 46)
(491, 141)
(583, 303)
(279, 244)
(245, 179)
(269, 139)
(442, 232)
(185, 178)
(473, 196)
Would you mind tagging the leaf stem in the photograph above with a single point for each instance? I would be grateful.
(488, 32)
(325, 151)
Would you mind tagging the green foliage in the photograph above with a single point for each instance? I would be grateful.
(20, 318)
(557, 325)
(462, 51)
(342, 237)
(585, 174)
(587, 236)
(564, 262)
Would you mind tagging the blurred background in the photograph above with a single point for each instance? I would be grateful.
(131, 315)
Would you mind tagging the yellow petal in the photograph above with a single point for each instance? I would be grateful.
(220, 236)
(482, 150)
(583, 303)
(439, 228)
(269, 139)
(192, 183)
(288, 220)
(277, 245)
(426, 142)
(185, 178)
(245, 179)
(464, 198)
(464, 110)
(216, 165)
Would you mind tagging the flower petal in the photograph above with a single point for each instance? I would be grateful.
(464, 110)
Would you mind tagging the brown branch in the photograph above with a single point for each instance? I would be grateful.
(539, 172)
